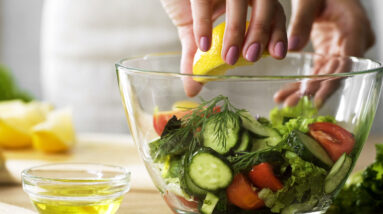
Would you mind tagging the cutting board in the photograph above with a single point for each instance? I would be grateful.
(90, 148)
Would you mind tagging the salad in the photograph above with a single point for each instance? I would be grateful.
(221, 159)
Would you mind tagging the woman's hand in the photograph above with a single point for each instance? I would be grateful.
(194, 19)
(340, 28)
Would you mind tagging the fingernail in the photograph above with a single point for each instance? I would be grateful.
(253, 52)
(232, 55)
(204, 43)
(280, 50)
(294, 43)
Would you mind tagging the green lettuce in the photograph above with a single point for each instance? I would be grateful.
(363, 192)
(306, 179)
(297, 117)
(8, 88)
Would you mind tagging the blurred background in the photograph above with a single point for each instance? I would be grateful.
(52, 52)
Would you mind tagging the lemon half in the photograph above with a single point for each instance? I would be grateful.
(210, 62)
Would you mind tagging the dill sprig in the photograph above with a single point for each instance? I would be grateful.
(218, 109)
(243, 161)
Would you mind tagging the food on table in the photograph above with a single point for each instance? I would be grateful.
(56, 133)
(229, 161)
(23, 124)
(16, 121)
(363, 192)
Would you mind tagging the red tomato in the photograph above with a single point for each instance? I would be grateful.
(160, 119)
(241, 194)
(334, 139)
(262, 176)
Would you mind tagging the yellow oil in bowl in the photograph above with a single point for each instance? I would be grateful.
(76, 188)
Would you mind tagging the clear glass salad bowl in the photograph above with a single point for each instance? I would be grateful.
(271, 137)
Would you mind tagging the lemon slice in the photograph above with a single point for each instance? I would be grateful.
(56, 134)
(16, 121)
(210, 62)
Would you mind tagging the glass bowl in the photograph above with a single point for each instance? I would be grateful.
(80, 188)
(277, 136)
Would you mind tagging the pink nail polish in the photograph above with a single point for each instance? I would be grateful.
(204, 43)
(280, 50)
(294, 42)
(252, 52)
(232, 55)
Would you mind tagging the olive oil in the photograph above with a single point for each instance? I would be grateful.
(109, 206)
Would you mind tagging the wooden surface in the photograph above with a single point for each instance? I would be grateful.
(143, 198)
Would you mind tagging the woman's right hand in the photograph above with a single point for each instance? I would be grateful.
(194, 20)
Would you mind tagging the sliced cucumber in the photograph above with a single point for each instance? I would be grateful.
(209, 171)
(192, 188)
(230, 135)
(263, 143)
(251, 124)
(309, 149)
(209, 203)
(338, 173)
(245, 142)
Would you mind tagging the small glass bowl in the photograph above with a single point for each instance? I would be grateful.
(80, 188)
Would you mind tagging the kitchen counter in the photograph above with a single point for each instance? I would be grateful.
(119, 150)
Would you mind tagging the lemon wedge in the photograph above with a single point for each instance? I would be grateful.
(56, 134)
(210, 62)
(16, 121)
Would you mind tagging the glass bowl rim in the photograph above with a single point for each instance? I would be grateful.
(132, 69)
(123, 177)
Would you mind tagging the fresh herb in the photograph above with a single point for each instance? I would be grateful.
(243, 161)
(8, 88)
(184, 135)
(363, 192)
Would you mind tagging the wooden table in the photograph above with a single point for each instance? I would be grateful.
(142, 198)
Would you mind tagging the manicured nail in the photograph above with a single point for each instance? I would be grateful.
(232, 55)
(294, 43)
(253, 52)
(280, 50)
(204, 43)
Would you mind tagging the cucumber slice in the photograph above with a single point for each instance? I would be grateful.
(209, 203)
(309, 149)
(251, 124)
(209, 171)
(231, 135)
(338, 173)
(263, 143)
(245, 142)
(193, 189)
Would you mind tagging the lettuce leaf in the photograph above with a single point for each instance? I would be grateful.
(8, 88)
(297, 117)
(306, 179)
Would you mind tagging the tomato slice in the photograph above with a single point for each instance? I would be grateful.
(241, 193)
(334, 139)
(161, 118)
(262, 176)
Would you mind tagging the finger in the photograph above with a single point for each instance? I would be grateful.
(202, 23)
(327, 88)
(258, 32)
(303, 15)
(189, 48)
(293, 99)
(278, 41)
(282, 94)
(234, 31)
